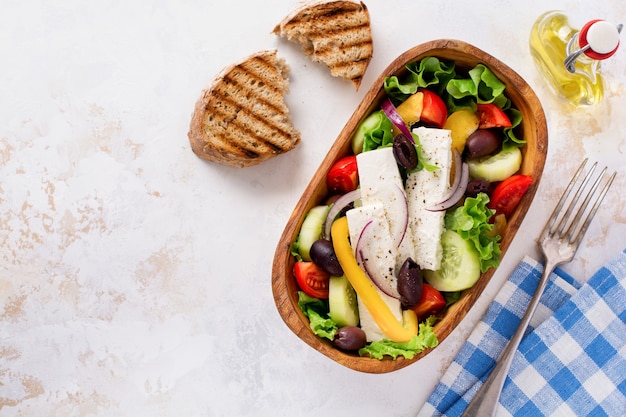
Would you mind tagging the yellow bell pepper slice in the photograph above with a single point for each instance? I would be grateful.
(411, 109)
(390, 326)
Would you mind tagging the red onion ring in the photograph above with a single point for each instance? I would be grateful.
(361, 255)
(457, 191)
(341, 203)
(400, 231)
(457, 175)
(392, 114)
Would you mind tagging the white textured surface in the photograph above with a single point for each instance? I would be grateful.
(135, 278)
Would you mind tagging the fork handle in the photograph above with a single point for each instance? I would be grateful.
(486, 400)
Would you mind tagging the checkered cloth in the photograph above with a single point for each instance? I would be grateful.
(572, 360)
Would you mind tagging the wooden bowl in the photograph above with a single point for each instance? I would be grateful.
(533, 129)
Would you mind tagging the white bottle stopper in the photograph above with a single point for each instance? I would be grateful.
(599, 39)
(603, 37)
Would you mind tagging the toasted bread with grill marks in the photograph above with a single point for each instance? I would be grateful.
(242, 118)
(336, 33)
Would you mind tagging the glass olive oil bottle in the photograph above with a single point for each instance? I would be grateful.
(553, 40)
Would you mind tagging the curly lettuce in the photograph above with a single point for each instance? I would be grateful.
(429, 72)
(480, 85)
(471, 222)
(424, 339)
(510, 139)
(317, 312)
(374, 131)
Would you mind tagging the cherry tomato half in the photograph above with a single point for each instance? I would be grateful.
(311, 279)
(434, 110)
(491, 115)
(432, 302)
(343, 176)
(507, 194)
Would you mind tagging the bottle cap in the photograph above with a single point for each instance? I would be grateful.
(602, 38)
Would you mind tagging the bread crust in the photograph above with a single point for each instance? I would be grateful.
(242, 119)
(336, 33)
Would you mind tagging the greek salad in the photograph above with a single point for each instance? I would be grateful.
(415, 214)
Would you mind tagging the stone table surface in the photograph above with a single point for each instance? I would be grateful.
(135, 278)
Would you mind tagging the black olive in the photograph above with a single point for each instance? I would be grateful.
(323, 255)
(477, 185)
(482, 142)
(350, 338)
(410, 283)
(404, 151)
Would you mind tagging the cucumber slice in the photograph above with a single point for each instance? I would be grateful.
(342, 302)
(460, 264)
(496, 167)
(311, 230)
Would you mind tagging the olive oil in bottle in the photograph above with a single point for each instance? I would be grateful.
(569, 59)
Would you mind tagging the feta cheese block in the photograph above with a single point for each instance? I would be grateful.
(376, 245)
(380, 182)
(381, 258)
(425, 188)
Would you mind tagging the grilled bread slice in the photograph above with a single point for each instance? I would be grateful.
(242, 118)
(336, 33)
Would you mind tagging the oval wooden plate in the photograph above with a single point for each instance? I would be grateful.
(533, 129)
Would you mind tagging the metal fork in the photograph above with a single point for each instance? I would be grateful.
(558, 242)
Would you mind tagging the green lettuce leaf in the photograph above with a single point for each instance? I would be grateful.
(422, 162)
(510, 140)
(453, 104)
(428, 72)
(294, 249)
(482, 84)
(424, 339)
(317, 312)
(471, 221)
(373, 132)
(479, 86)
(451, 297)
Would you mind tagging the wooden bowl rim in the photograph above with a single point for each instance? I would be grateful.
(284, 288)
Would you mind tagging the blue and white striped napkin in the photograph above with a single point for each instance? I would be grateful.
(572, 360)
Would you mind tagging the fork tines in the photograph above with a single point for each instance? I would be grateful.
(574, 221)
